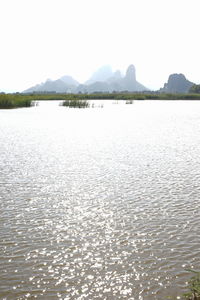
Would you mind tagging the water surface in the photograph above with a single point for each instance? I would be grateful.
(99, 203)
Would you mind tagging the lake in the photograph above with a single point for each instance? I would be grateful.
(99, 203)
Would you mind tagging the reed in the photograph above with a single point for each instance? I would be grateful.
(129, 101)
(8, 101)
(80, 100)
(76, 103)
(194, 286)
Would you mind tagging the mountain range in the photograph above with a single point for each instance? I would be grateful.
(105, 80)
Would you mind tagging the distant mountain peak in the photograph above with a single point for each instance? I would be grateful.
(102, 74)
(130, 73)
(69, 80)
(103, 80)
(177, 83)
(62, 85)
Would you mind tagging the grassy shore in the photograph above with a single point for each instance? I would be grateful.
(114, 96)
(8, 101)
(26, 100)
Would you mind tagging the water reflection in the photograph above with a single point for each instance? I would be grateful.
(99, 203)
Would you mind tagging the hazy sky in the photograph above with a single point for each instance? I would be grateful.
(43, 39)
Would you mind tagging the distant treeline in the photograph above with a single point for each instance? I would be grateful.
(195, 89)
(26, 100)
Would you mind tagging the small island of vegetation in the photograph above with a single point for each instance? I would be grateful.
(76, 103)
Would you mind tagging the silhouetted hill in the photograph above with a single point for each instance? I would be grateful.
(113, 83)
(65, 84)
(101, 75)
(103, 80)
(69, 80)
(48, 86)
(129, 82)
(177, 83)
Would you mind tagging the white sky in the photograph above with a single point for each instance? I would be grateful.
(43, 39)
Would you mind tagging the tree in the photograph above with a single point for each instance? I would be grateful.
(195, 89)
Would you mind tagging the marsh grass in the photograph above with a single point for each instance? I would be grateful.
(129, 101)
(8, 101)
(81, 100)
(76, 103)
(194, 286)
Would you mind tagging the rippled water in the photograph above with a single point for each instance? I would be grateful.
(99, 203)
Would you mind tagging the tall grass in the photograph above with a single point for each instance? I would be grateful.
(194, 287)
(115, 96)
(80, 100)
(129, 102)
(76, 103)
(8, 101)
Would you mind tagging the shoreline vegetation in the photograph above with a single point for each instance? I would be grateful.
(76, 103)
(17, 100)
(8, 101)
(193, 287)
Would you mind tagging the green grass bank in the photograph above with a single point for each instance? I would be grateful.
(8, 101)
